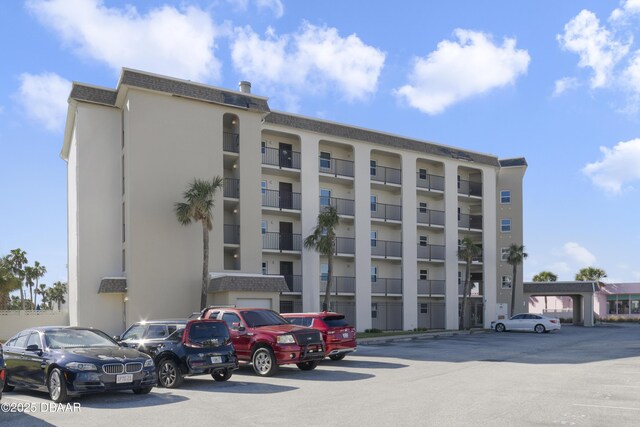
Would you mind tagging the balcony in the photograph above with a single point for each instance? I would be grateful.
(430, 217)
(283, 159)
(345, 246)
(231, 188)
(431, 287)
(339, 285)
(477, 288)
(231, 142)
(294, 282)
(282, 242)
(470, 222)
(429, 182)
(469, 188)
(386, 212)
(281, 199)
(386, 175)
(343, 206)
(231, 234)
(386, 286)
(386, 249)
(336, 167)
(431, 252)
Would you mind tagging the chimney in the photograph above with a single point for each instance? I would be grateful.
(245, 87)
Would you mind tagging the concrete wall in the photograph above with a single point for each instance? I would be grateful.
(14, 321)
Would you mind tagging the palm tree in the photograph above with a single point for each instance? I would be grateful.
(467, 251)
(41, 290)
(57, 293)
(8, 282)
(38, 272)
(591, 274)
(323, 241)
(198, 206)
(29, 277)
(545, 276)
(18, 258)
(515, 257)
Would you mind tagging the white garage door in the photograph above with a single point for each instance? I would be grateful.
(253, 302)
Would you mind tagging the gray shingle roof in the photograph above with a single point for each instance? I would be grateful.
(113, 285)
(93, 94)
(248, 284)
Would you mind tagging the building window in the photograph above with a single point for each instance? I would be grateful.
(123, 225)
(263, 187)
(325, 160)
(459, 179)
(504, 254)
(264, 268)
(374, 203)
(373, 167)
(506, 282)
(505, 197)
(263, 147)
(459, 244)
(459, 277)
(374, 239)
(423, 240)
(286, 306)
(263, 226)
(424, 308)
(374, 274)
(459, 214)
(423, 207)
(325, 197)
(422, 173)
(324, 272)
(505, 225)
(424, 274)
(374, 310)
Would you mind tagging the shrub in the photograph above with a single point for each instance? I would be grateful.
(372, 331)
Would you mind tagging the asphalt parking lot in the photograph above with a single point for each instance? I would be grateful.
(577, 376)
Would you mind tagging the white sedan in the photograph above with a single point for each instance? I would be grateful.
(527, 322)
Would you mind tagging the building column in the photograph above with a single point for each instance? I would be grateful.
(409, 243)
(451, 245)
(310, 185)
(362, 187)
(489, 246)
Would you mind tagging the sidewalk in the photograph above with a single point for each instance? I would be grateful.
(417, 336)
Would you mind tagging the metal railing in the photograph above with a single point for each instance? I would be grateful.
(232, 234)
(336, 167)
(345, 245)
(431, 287)
(386, 286)
(386, 175)
(430, 182)
(231, 188)
(470, 222)
(386, 248)
(231, 142)
(470, 188)
(294, 282)
(386, 212)
(281, 158)
(431, 252)
(430, 217)
(339, 285)
(343, 206)
(281, 199)
(282, 241)
(477, 288)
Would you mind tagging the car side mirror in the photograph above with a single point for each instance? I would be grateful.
(116, 337)
(236, 326)
(34, 348)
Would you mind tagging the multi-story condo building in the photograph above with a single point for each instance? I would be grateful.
(404, 205)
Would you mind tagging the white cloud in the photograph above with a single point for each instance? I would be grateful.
(579, 254)
(44, 98)
(458, 70)
(629, 8)
(309, 60)
(564, 84)
(275, 6)
(632, 73)
(165, 40)
(619, 166)
(596, 46)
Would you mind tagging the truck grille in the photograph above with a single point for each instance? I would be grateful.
(311, 337)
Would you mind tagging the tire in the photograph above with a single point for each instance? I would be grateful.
(143, 390)
(307, 366)
(57, 387)
(500, 327)
(264, 362)
(222, 376)
(539, 328)
(169, 375)
(7, 387)
(337, 357)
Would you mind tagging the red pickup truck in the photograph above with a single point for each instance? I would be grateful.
(266, 340)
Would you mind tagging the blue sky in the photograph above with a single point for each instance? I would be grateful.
(556, 82)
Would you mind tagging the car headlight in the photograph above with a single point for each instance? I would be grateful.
(285, 339)
(148, 363)
(77, 366)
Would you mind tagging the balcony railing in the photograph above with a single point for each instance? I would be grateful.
(232, 234)
(430, 217)
(477, 288)
(231, 188)
(339, 285)
(470, 222)
(470, 188)
(386, 175)
(231, 142)
(431, 252)
(343, 206)
(386, 212)
(430, 182)
(383, 248)
(282, 241)
(336, 167)
(345, 245)
(431, 287)
(294, 282)
(386, 286)
(281, 158)
(281, 199)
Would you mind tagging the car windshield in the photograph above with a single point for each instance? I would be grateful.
(134, 333)
(257, 318)
(77, 338)
(335, 321)
(208, 333)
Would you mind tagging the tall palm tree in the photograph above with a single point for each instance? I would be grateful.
(57, 293)
(39, 271)
(198, 207)
(41, 290)
(515, 257)
(17, 258)
(591, 274)
(467, 251)
(29, 279)
(323, 241)
(545, 276)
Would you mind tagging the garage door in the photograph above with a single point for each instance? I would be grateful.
(253, 302)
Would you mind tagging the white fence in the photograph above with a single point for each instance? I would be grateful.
(12, 321)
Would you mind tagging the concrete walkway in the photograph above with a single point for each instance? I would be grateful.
(417, 336)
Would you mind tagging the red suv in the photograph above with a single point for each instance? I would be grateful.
(339, 337)
(264, 338)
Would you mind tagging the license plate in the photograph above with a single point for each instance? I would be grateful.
(216, 359)
(124, 378)
(345, 335)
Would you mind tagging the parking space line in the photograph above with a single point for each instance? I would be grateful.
(607, 407)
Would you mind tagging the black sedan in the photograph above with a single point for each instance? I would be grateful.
(69, 361)
(3, 372)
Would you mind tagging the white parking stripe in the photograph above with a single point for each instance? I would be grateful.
(607, 407)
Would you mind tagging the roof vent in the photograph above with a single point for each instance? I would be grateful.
(245, 87)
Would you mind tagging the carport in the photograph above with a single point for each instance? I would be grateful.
(580, 292)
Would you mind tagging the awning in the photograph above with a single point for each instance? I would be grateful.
(113, 285)
(247, 283)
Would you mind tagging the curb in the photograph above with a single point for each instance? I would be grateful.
(417, 337)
